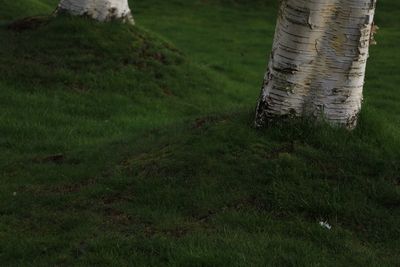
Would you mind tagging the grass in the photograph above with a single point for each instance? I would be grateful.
(133, 146)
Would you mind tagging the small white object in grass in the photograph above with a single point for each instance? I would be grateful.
(325, 225)
(14, 194)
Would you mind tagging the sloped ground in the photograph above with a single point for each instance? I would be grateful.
(119, 147)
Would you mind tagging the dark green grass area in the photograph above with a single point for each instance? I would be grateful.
(133, 146)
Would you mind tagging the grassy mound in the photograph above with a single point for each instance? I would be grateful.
(79, 54)
(127, 145)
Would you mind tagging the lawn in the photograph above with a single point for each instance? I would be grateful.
(134, 146)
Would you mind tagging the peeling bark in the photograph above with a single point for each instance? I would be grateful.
(101, 10)
(318, 60)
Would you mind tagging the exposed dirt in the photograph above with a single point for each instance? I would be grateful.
(29, 23)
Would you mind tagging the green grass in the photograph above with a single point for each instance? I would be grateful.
(133, 146)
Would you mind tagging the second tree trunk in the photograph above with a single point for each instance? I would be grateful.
(102, 10)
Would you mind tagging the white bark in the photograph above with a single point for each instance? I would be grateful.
(101, 10)
(317, 65)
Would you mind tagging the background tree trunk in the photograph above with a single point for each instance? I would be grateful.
(102, 10)
(318, 60)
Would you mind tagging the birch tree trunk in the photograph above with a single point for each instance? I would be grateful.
(101, 10)
(318, 60)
